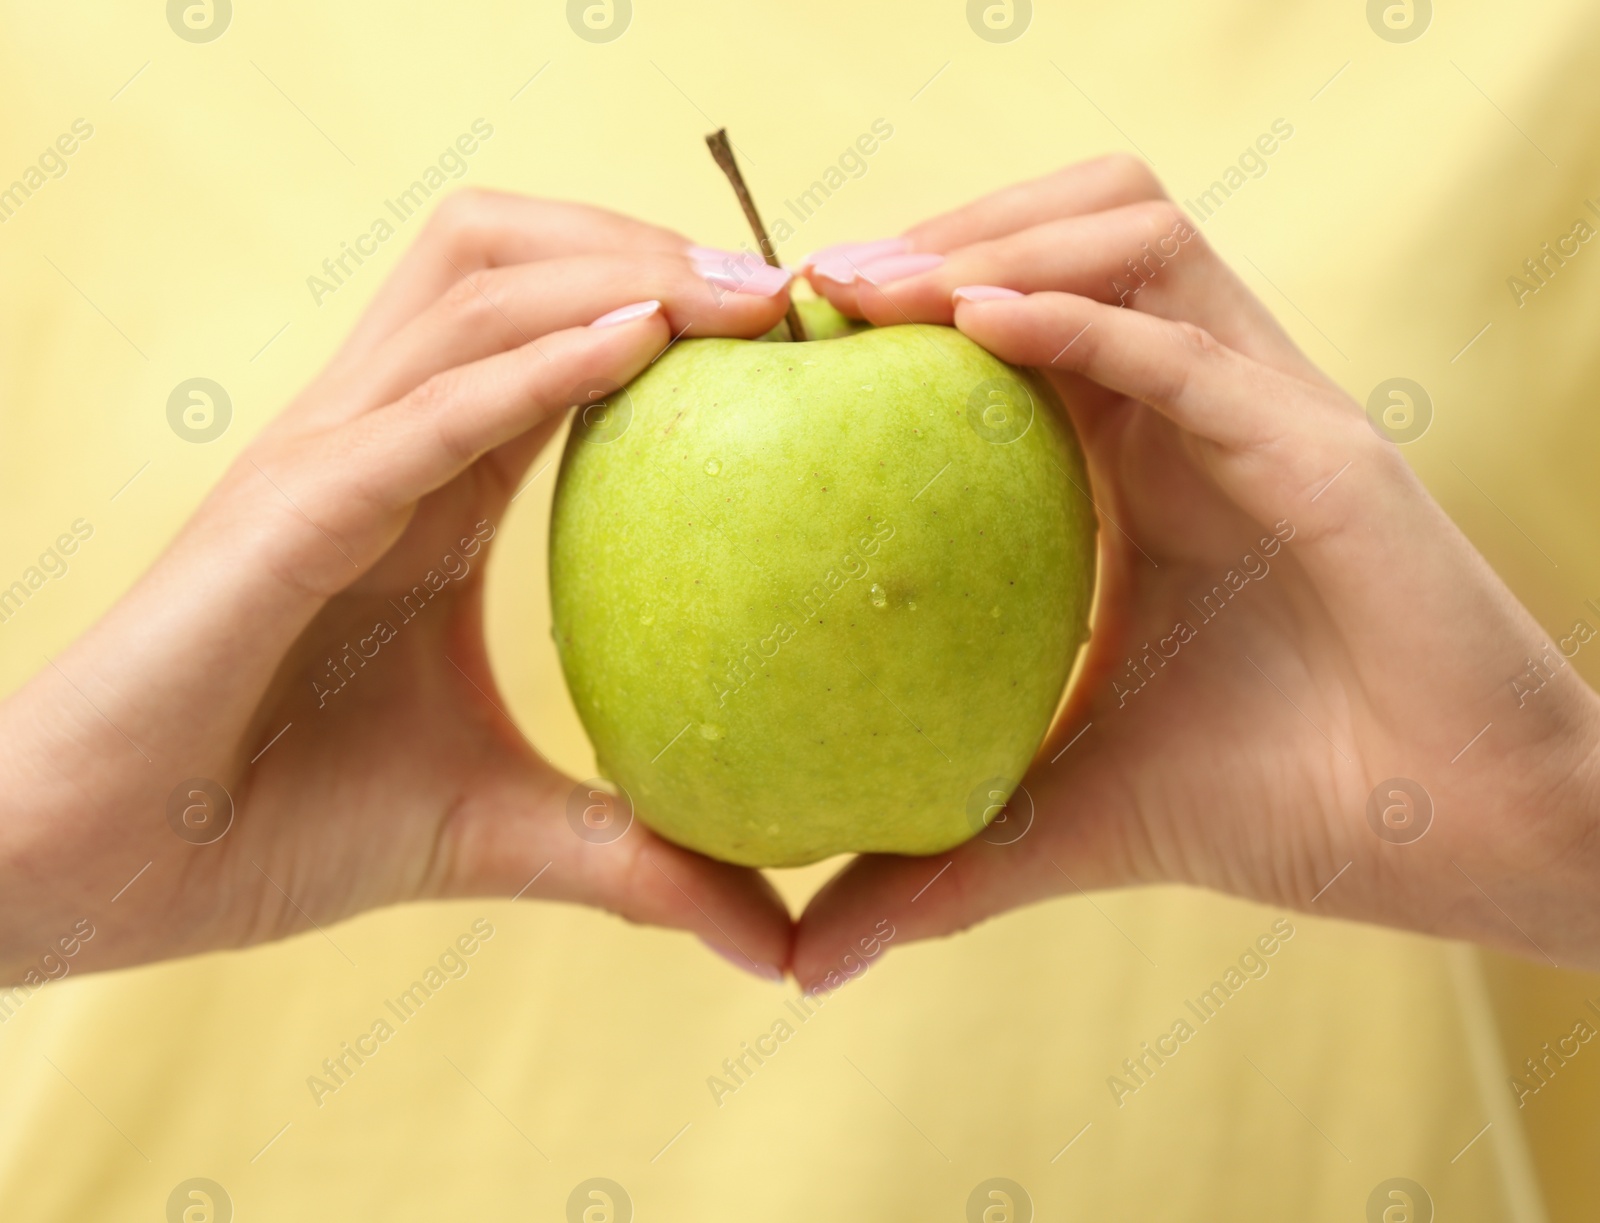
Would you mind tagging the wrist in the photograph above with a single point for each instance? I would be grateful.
(1565, 818)
(30, 885)
(72, 837)
(1583, 856)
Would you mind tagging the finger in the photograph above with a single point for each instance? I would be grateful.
(1272, 443)
(340, 498)
(1299, 459)
(497, 309)
(476, 229)
(931, 897)
(901, 900)
(1089, 255)
(1087, 186)
(1181, 370)
(832, 270)
(1075, 815)
(1146, 256)
(840, 294)
(838, 262)
(433, 433)
(521, 838)
(867, 299)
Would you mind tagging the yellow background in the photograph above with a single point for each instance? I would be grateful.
(178, 245)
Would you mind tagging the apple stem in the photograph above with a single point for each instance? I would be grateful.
(722, 151)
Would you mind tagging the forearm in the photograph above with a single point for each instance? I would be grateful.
(96, 744)
(59, 782)
(1550, 907)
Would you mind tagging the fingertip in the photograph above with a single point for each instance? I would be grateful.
(891, 268)
(846, 255)
(1027, 329)
(824, 279)
(734, 910)
(738, 272)
(738, 913)
(743, 962)
(855, 917)
(911, 301)
(879, 902)
(840, 295)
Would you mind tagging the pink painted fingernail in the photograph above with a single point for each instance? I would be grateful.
(898, 267)
(835, 268)
(739, 271)
(739, 960)
(844, 257)
(983, 293)
(627, 314)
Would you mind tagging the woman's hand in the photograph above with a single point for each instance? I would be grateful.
(312, 642)
(1287, 621)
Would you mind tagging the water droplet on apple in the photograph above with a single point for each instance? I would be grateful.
(713, 467)
(995, 612)
(647, 618)
(710, 730)
(879, 598)
(912, 604)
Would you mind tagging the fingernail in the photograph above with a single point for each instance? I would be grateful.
(841, 255)
(982, 293)
(843, 264)
(739, 960)
(835, 268)
(898, 267)
(627, 314)
(739, 271)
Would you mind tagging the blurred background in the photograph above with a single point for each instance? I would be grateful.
(221, 152)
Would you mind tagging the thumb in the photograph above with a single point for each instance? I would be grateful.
(1039, 847)
(542, 836)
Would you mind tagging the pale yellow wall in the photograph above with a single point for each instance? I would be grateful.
(178, 245)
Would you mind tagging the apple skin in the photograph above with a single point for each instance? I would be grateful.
(803, 606)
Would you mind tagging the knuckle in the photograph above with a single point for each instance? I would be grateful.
(1194, 345)
(1199, 342)
(1131, 174)
(1343, 420)
(648, 889)
(451, 439)
(1170, 385)
(284, 540)
(470, 298)
(459, 210)
(1164, 216)
(1084, 342)
(430, 398)
(661, 274)
(461, 224)
(1168, 227)
(301, 574)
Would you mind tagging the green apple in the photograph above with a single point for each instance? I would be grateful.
(821, 597)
